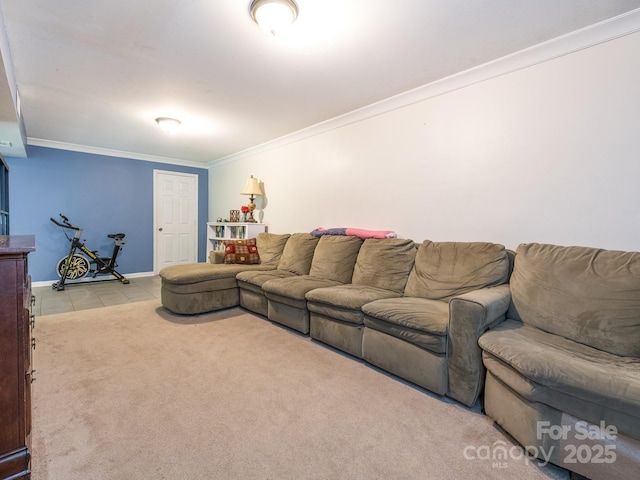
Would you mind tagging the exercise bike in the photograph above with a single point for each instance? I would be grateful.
(76, 266)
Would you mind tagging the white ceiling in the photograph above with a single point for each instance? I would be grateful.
(95, 74)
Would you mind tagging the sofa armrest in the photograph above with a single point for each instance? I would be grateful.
(470, 315)
(216, 256)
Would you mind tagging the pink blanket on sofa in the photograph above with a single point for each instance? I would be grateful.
(355, 232)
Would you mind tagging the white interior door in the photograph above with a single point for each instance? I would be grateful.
(175, 218)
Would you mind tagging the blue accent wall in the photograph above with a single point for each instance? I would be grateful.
(101, 194)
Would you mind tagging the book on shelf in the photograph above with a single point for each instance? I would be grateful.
(237, 231)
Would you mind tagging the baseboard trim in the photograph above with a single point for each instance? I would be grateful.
(103, 278)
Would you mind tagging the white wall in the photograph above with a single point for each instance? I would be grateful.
(550, 153)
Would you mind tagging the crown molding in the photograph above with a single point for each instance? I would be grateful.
(584, 38)
(39, 142)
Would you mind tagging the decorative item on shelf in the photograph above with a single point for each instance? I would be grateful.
(234, 216)
(245, 210)
(252, 187)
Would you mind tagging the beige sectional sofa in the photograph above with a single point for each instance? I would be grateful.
(556, 350)
(324, 286)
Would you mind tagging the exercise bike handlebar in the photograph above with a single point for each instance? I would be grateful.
(66, 223)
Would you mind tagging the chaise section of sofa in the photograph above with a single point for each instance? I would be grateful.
(567, 359)
(381, 271)
(203, 287)
(333, 262)
(200, 287)
(454, 292)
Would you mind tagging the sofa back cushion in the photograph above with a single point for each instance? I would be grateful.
(384, 263)
(335, 257)
(443, 270)
(271, 246)
(588, 295)
(298, 253)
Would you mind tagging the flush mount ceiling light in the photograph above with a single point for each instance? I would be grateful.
(168, 124)
(273, 15)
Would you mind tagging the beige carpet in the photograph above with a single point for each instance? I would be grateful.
(135, 392)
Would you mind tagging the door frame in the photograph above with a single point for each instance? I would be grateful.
(156, 199)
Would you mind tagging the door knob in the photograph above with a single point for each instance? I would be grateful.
(160, 229)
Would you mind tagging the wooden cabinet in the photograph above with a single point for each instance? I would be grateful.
(16, 344)
(218, 232)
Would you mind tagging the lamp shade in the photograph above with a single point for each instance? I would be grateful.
(252, 187)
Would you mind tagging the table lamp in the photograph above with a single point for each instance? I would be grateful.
(252, 187)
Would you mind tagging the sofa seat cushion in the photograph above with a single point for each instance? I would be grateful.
(202, 272)
(292, 290)
(203, 287)
(259, 277)
(253, 281)
(419, 321)
(344, 302)
(564, 370)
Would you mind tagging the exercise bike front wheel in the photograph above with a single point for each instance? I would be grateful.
(78, 268)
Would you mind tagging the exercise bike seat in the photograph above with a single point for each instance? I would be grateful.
(116, 236)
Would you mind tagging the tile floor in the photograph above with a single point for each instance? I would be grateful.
(94, 295)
